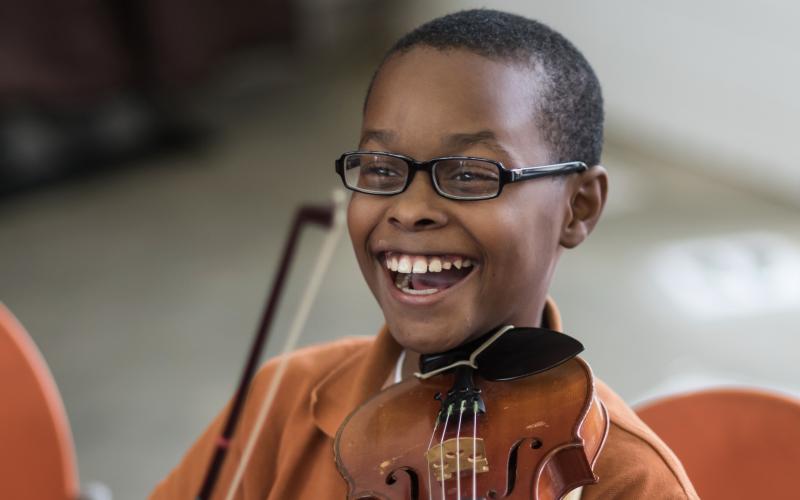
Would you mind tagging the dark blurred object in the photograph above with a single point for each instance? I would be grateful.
(40, 144)
(86, 84)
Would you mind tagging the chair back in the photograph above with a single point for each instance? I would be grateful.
(37, 456)
(734, 443)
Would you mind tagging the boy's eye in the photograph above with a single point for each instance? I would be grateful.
(467, 171)
(381, 170)
(468, 177)
(377, 174)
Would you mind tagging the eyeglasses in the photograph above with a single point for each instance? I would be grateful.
(454, 177)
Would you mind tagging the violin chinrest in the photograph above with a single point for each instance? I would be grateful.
(521, 352)
(508, 353)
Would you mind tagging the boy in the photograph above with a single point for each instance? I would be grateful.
(453, 251)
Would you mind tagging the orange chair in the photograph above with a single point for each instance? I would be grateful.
(37, 457)
(734, 443)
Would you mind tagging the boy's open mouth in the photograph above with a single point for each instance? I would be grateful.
(426, 274)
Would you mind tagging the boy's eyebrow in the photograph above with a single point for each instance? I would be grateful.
(464, 140)
(382, 136)
(452, 141)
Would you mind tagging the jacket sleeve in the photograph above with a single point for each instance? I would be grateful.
(184, 481)
(304, 369)
(629, 467)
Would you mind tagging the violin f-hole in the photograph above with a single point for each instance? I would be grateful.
(511, 471)
(513, 455)
(413, 479)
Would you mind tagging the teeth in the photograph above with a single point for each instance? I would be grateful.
(404, 265)
(403, 281)
(421, 264)
(419, 292)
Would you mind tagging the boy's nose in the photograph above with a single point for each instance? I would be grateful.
(419, 207)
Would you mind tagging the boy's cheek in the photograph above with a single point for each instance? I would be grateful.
(358, 226)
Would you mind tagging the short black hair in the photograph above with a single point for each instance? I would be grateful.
(570, 103)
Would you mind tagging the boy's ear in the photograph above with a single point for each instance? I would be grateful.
(588, 192)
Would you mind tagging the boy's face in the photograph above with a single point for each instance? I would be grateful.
(429, 103)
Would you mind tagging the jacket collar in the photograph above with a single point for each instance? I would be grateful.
(362, 375)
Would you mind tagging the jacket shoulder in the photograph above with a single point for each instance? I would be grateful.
(308, 366)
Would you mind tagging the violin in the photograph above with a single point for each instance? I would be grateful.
(512, 414)
(518, 420)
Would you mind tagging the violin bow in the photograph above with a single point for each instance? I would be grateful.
(331, 217)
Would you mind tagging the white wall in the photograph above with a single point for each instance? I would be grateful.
(710, 85)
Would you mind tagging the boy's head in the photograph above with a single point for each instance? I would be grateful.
(480, 84)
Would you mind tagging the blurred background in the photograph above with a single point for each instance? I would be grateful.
(152, 154)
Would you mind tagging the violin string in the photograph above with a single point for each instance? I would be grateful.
(441, 448)
(303, 310)
(475, 451)
(458, 449)
(433, 435)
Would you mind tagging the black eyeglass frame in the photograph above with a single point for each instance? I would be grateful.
(507, 175)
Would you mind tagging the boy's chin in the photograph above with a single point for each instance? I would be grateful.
(427, 338)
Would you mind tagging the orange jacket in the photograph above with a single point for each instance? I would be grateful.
(293, 458)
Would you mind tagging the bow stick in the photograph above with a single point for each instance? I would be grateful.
(331, 217)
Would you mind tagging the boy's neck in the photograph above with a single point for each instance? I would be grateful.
(410, 364)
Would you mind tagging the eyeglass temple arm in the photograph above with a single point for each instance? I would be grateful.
(559, 168)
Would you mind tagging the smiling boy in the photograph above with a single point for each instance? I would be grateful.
(478, 164)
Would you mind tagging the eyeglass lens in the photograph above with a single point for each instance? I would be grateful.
(383, 174)
(375, 173)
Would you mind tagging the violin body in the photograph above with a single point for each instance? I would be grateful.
(537, 438)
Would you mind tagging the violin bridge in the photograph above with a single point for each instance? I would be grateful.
(457, 455)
